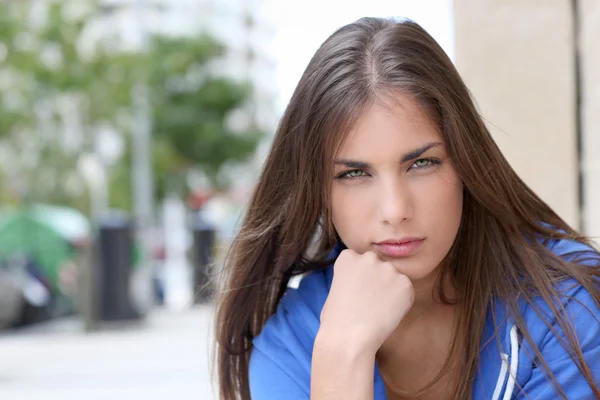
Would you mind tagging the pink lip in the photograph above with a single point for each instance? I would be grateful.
(399, 248)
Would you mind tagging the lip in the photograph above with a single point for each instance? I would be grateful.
(400, 247)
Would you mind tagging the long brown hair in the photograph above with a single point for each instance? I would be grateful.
(499, 252)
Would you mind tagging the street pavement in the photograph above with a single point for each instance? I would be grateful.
(165, 357)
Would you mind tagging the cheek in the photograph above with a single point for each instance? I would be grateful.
(444, 202)
(350, 207)
(341, 206)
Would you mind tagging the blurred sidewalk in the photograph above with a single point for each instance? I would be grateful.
(165, 357)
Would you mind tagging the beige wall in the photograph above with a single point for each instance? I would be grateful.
(517, 58)
(590, 66)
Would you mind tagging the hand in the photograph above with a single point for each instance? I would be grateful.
(367, 300)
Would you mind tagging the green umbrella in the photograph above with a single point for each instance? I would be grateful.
(44, 233)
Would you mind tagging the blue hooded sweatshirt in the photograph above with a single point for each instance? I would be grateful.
(280, 362)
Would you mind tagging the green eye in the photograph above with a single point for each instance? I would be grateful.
(354, 174)
(425, 162)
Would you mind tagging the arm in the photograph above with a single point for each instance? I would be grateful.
(367, 301)
(341, 369)
(299, 355)
(269, 380)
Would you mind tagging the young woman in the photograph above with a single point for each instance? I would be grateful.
(430, 270)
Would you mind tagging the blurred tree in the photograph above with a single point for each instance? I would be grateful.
(54, 93)
(59, 85)
(191, 106)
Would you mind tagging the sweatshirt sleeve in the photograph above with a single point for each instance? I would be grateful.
(272, 379)
(280, 362)
(585, 317)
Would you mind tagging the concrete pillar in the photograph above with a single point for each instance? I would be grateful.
(516, 56)
(589, 26)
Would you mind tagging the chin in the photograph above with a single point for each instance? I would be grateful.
(412, 270)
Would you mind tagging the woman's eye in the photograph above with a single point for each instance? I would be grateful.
(356, 173)
(424, 163)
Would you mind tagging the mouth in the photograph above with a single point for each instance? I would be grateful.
(396, 248)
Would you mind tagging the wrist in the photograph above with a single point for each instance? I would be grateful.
(341, 368)
(351, 344)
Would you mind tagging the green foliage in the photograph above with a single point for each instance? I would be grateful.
(191, 105)
(48, 80)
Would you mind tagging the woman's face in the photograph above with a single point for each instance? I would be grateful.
(395, 191)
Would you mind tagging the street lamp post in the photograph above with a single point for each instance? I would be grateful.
(143, 190)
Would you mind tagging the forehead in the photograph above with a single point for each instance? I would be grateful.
(393, 124)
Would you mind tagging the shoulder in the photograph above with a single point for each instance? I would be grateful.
(577, 307)
(283, 349)
(299, 310)
(572, 250)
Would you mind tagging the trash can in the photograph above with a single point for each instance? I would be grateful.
(203, 256)
(115, 258)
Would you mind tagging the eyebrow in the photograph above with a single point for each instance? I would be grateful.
(410, 156)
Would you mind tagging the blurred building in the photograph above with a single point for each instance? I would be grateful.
(534, 70)
(248, 31)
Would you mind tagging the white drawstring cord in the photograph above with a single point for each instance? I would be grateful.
(504, 368)
(501, 377)
(514, 363)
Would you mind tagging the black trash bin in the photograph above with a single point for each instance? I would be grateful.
(115, 258)
(203, 255)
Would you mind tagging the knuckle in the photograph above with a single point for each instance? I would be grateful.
(345, 255)
(389, 265)
(370, 256)
(349, 253)
(404, 282)
(345, 260)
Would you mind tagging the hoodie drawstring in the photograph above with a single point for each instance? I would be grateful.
(505, 368)
(514, 363)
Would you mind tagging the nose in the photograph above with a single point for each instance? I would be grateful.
(395, 202)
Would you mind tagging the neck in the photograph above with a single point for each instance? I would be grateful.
(427, 301)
